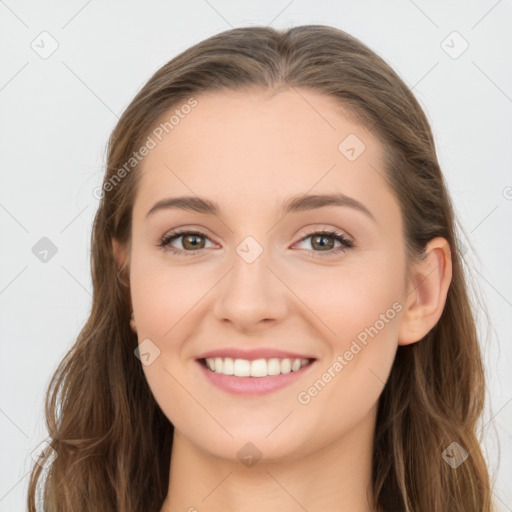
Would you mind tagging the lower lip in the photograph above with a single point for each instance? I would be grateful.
(253, 385)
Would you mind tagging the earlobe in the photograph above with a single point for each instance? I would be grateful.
(428, 289)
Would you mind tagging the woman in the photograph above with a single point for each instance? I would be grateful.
(280, 318)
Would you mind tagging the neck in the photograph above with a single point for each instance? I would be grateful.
(336, 477)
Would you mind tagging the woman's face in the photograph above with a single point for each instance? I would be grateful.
(258, 281)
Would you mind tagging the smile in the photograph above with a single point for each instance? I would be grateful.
(256, 367)
(253, 377)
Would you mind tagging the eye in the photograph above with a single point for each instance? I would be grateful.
(191, 242)
(320, 239)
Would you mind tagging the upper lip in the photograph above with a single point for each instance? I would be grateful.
(251, 355)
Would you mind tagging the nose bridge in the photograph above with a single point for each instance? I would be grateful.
(251, 292)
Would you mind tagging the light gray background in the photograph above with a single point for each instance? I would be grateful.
(57, 113)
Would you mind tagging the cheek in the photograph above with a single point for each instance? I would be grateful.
(359, 313)
(166, 301)
(345, 302)
(162, 294)
(346, 386)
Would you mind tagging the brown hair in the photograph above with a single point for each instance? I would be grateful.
(112, 441)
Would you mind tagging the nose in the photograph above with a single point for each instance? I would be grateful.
(251, 296)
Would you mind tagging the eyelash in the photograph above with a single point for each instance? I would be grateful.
(346, 243)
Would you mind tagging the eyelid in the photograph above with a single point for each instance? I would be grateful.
(183, 230)
(329, 231)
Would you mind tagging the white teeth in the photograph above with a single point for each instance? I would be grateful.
(228, 367)
(255, 368)
(259, 368)
(273, 366)
(242, 368)
(286, 366)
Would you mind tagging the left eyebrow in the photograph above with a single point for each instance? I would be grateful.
(312, 202)
(292, 204)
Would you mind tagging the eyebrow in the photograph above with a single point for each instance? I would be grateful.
(290, 205)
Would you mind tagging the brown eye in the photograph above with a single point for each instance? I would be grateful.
(322, 241)
(191, 242)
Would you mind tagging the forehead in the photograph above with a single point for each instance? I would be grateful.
(254, 147)
(264, 124)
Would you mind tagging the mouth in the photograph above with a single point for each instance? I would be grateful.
(254, 368)
(253, 377)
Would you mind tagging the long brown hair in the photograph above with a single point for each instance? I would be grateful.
(112, 441)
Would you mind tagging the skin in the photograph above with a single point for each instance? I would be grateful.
(249, 151)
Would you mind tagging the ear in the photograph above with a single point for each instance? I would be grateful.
(427, 291)
(121, 260)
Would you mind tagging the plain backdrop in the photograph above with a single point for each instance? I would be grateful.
(68, 71)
